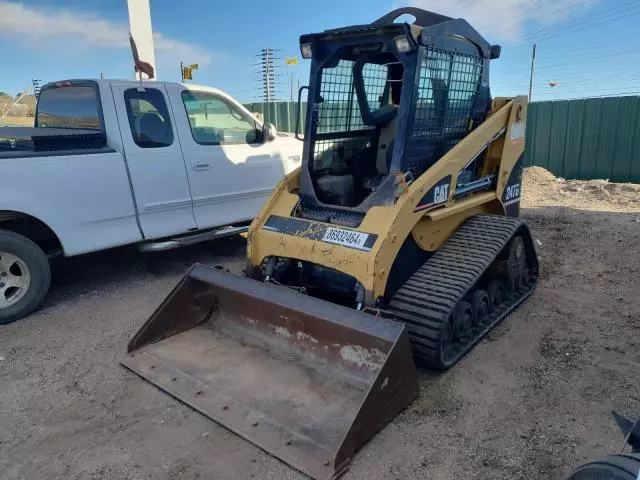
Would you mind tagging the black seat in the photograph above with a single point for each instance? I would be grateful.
(384, 115)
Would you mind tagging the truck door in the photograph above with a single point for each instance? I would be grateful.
(154, 159)
(232, 171)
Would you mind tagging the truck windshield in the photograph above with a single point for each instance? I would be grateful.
(74, 107)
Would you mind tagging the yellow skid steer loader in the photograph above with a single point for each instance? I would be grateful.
(397, 240)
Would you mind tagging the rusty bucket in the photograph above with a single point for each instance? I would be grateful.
(306, 380)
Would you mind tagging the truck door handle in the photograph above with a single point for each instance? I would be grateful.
(201, 165)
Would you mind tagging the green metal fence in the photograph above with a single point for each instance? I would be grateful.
(281, 114)
(583, 139)
(586, 139)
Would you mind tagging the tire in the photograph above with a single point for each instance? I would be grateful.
(27, 262)
(614, 467)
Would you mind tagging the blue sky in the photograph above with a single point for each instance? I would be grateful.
(590, 47)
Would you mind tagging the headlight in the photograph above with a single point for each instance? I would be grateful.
(403, 44)
(305, 50)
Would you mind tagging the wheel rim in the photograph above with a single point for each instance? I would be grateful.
(15, 279)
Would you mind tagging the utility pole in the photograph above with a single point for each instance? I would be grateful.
(267, 82)
(267, 79)
(533, 66)
(181, 72)
(291, 88)
(267, 75)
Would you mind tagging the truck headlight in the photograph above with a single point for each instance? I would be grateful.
(305, 50)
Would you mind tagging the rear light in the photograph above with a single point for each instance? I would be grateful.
(63, 84)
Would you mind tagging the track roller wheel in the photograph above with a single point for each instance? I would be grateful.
(463, 300)
(525, 278)
(516, 263)
(462, 320)
(495, 294)
(479, 308)
(446, 342)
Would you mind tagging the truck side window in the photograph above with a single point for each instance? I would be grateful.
(214, 121)
(148, 118)
(69, 106)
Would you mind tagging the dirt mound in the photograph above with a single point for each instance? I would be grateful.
(537, 175)
(28, 100)
(15, 109)
(542, 188)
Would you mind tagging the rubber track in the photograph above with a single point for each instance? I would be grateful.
(425, 302)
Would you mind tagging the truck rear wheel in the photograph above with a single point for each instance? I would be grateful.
(25, 275)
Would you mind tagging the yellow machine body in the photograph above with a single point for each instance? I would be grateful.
(502, 132)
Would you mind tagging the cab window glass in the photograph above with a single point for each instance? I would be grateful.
(73, 107)
(214, 121)
(148, 118)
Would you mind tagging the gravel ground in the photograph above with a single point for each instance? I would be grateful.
(531, 401)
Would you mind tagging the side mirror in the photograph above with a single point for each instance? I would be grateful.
(269, 132)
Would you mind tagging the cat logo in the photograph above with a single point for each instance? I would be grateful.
(440, 194)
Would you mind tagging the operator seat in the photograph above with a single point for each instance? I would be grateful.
(387, 123)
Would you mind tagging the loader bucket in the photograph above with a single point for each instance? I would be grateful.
(306, 380)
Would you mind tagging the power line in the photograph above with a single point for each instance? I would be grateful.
(595, 39)
(605, 91)
(580, 96)
(538, 18)
(594, 57)
(620, 68)
(562, 85)
(569, 27)
(537, 7)
(577, 22)
(616, 80)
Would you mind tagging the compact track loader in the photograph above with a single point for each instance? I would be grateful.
(397, 240)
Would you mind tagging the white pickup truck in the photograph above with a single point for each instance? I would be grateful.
(112, 162)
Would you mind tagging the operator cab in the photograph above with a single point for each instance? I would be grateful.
(385, 102)
(357, 117)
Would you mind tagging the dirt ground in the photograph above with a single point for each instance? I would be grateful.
(530, 402)
(17, 121)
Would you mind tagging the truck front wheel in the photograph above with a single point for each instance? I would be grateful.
(25, 275)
